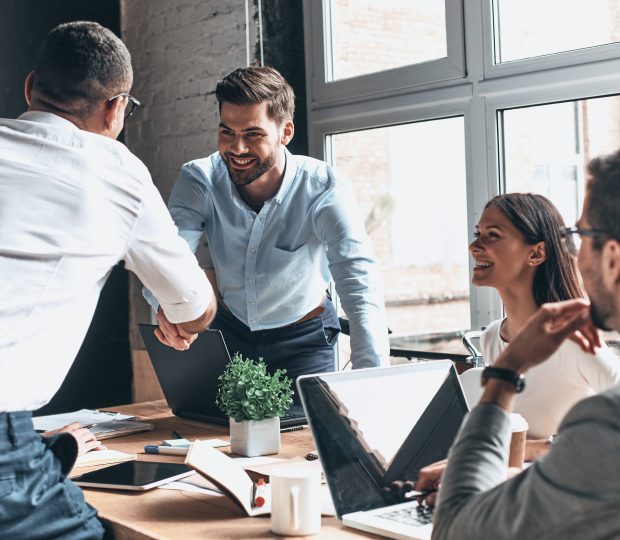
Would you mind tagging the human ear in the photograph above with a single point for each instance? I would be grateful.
(287, 132)
(538, 254)
(114, 112)
(610, 261)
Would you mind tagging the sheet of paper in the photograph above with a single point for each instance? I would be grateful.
(184, 443)
(191, 488)
(251, 462)
(83, 416)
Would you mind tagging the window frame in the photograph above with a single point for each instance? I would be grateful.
(479, 95)
(573, 57)
(318, 27)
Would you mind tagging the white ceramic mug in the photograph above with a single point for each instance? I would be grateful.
(295, 501)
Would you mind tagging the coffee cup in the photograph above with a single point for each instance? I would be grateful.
(295, 501)
(517, 440)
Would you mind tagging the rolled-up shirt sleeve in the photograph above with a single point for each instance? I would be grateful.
(356, 274)
(164, 263)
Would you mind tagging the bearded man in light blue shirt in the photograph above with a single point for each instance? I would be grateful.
(279, 227)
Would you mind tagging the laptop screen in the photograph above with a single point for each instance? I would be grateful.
(374, 426)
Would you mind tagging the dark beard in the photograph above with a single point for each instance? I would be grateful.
(245, 178)
(598, 318)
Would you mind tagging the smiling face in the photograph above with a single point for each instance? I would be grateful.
(502, 258)
(249, 142)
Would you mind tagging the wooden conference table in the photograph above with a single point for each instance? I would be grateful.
(169, 514)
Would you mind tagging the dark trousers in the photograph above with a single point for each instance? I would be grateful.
(300, 348)
(37, 500)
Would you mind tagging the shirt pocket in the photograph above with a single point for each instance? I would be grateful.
(24, 282)
(287, 266)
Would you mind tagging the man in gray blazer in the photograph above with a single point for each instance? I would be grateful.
(574, 491)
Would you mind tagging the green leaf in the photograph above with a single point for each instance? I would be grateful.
(248, 391)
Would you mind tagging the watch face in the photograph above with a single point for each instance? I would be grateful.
(520, 383)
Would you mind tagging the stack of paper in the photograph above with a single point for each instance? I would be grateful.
(85, 417)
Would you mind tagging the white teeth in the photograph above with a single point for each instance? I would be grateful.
(241, 161)
(482, 264)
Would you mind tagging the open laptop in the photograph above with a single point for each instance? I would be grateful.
(374, 426)
(190, 379)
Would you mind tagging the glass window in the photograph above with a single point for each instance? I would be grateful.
(410, 184)
(369, 36)
(530, 28)
(547, 147)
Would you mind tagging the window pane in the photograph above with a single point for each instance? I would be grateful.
(547, 147)
(369, 36)
(410, 184)
(529, 28)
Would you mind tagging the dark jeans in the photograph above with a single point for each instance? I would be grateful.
(300, 348)
(37, 500)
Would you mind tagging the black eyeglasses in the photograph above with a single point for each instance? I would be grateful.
(565, 232)
(131, 106)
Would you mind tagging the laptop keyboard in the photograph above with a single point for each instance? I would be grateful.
(412, 515)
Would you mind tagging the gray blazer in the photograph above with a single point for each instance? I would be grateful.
(572, 492)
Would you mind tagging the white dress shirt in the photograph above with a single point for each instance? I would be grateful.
(72, 205)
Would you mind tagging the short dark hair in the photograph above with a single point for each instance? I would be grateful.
(603, 207)
(538, 220)
(80, 64)
(252, 85)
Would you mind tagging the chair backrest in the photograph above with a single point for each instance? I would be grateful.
(470, 381)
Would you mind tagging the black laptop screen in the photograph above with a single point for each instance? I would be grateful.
(374, 426)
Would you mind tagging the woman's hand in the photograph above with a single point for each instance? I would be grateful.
(85, 438)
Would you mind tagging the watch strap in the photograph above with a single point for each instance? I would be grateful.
(507, 375)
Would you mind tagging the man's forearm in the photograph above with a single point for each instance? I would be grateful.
(477, 462)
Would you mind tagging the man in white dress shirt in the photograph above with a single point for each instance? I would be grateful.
(73, 203)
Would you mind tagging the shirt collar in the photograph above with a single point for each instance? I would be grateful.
(42, 117)
(290, 171)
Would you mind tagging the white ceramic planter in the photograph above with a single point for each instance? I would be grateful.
(255, 437)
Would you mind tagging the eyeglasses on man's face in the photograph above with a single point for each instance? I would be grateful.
(565, 232)
(132, 105)
(573, 236)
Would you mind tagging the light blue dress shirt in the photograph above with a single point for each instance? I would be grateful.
(273, 266)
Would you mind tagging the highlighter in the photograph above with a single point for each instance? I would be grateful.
(260, 493)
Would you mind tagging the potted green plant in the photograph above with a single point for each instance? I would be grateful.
(254, 400)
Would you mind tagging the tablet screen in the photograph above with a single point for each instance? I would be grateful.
(134, 475)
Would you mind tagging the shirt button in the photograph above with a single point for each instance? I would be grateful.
(251, 280)
(253, 320)
(252, 303)
(253, 250)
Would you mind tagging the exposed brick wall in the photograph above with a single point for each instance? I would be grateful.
(180, 49)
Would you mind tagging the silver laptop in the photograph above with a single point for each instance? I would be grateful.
(374, 426)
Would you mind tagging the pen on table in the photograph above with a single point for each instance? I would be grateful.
(154, 449)
(293, 428)
(176, 435)
(415, 493)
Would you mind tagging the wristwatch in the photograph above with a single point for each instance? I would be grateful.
(508, 375)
